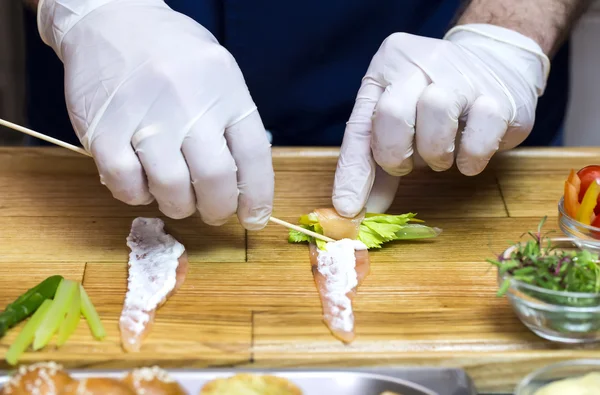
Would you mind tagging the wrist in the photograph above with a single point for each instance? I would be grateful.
(55, 18)
(480, 34)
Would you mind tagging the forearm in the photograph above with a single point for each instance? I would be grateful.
(548, 22)
(31, 4)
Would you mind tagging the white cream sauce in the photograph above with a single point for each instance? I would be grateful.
(153, 264)
(337, 263)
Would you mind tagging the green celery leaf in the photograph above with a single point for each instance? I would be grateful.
(389, 219)
(386, 231)
(370, 238)
(375, 229)
(298, 237)
(321, 245)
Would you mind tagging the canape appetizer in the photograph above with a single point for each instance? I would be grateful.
(339, 267)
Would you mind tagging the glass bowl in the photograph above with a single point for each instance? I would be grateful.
(555, 372)
(585, 236)
(565, 317)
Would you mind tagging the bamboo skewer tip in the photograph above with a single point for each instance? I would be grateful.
(301, 230)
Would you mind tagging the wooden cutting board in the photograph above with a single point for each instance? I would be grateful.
(249, 298)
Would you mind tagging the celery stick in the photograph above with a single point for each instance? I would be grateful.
(416, 231)
(72, 319)
(60, 306)
(90, 314)
(26, 304)
(25, 337)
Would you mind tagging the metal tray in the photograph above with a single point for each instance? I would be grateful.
(402, 381)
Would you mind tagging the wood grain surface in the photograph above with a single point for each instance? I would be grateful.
(249, 298)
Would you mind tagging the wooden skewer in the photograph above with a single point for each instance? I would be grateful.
(40, 136)
(301, 229)
(79, 150)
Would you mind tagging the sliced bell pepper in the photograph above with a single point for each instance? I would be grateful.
(575, 180)
(587, 175)
(590, 199)
(571, 200)
(596, 224)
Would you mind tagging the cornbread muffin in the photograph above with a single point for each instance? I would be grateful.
(47, 378)
(250, 384)
(152, 381)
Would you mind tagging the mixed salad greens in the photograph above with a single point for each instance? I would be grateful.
(537, 262)
(374, 231)
(55, 306)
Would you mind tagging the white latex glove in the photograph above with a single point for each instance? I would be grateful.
(413, 96)
(163, 109)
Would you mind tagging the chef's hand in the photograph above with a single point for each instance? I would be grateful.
(413, 96)
(163, 109)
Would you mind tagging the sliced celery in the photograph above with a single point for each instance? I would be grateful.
(89, 312)
(28, 303)
(72, 319)
(25, 337)
(416, 231)
(60, 306)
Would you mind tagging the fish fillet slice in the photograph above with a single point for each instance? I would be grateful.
(338, 227)
(158, 265)
(337, 281)
(338, 313)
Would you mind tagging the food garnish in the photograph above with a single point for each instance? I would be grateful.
(537, 262)
(374, 230)
(55, 306)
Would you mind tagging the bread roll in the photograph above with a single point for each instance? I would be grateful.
(152, 381)
(97, 386)
(47, 378)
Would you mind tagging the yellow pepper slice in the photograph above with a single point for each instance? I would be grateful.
(590, 199)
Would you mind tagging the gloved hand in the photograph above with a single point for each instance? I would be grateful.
(163, 109)
(414, 94)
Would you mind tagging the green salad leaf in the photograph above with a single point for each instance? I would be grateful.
(374, 231)
(537, 262)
